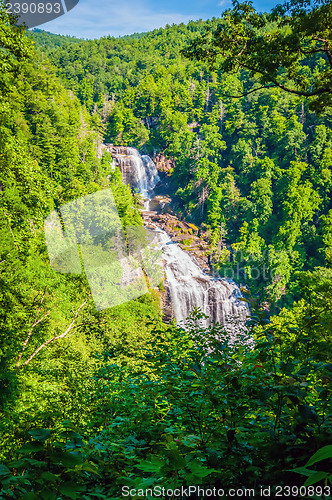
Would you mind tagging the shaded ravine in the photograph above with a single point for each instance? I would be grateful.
(187, 286)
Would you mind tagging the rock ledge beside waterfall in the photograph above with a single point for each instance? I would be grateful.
(183, 233)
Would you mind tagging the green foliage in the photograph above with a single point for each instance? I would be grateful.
(53, 464)
(316, 476)
(196, 409)
(14, 48)
(265, 157)
(49, 40)
(155, 404)
(289, 49)
(48, 157)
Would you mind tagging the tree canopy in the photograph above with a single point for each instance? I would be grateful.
(289, 48)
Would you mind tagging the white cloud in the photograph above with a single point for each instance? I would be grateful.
(225, 3)
(115, 18)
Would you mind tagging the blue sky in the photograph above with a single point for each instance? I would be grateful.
(91, 19)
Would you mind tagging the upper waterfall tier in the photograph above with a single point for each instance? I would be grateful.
(138, 171)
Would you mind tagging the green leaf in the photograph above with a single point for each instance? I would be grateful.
(67, 459)
(48, 476)
(31, 448)
(328, 367)
(71, 490)
(71, 435)
(151, 466)
(25, 462)
(30, 496)
(200, 470)
(48, 495)
(40, 434)
(191, 440)
(68, 424)
(4, 471)
(314, 478)
(97, 495)
(322, 454)
(87, 467)
(307, 413)
(303, 471)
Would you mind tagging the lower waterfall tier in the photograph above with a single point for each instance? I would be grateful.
(190, 288)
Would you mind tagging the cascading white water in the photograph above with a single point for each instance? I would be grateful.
(189, 287)
(138, 171)
(151, 177)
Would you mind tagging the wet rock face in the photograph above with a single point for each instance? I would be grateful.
(161, 204)
(139, 171)
(189, 287)
(166, 304)
(163, 164)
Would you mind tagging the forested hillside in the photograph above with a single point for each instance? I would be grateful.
(233, 157)
(48, 158)
(49, 40)
(94, 401)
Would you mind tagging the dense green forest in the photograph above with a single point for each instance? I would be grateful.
(123, 399)
(232, 157)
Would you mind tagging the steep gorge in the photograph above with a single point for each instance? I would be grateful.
(187, 285)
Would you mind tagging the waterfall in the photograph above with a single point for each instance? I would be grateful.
(138, 171)
(151, 177)
(189, 287)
